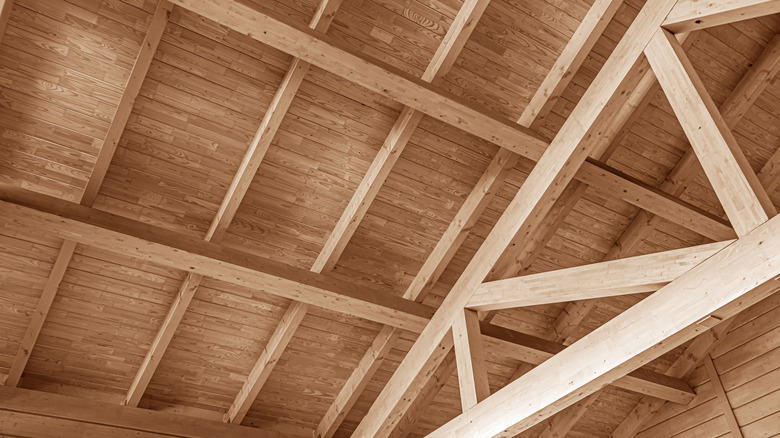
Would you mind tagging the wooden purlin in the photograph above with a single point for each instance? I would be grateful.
(107, 150)
(534, 199)
(269, 126)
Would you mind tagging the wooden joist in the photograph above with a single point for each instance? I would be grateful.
(573, 55)
(690, 15)
(646, 273)
(534, 199)
(745, 201)
(46, 408)
(265, 364)
(449, 49)
(107, 150)
(742, 274)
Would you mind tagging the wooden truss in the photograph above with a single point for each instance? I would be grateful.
(697, 290)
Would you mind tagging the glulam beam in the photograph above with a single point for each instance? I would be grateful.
(730, 281)
(470, 359)
(645, 273)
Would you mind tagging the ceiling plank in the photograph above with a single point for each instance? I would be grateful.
(442, 61)
(22, 210)
(562, 423)
(110, 142)
(470, 359)
(273, 350)
(534, 199)
(733, 279)
(738, 189)
(690, 15)
(412, 92)
(17, 400)
(254, 155)
(646, 273)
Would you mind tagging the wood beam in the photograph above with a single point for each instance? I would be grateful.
(534, 199)
(720, 393)
(137, 422)
(268, 128)
(442, 61)
(738, 189)
(770, 173)
(24, 210)
(646, 273)
(469, 355)
(733, 279)
(736, 105)
(291, 319)
(654, 201)
(254, 155)
(386, 80)
(110, 142)
(162, 339)
(690, 15)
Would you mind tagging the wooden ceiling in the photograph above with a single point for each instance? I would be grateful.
(272, 214)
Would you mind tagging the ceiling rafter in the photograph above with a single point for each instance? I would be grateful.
(110, 142)
(5, 15)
